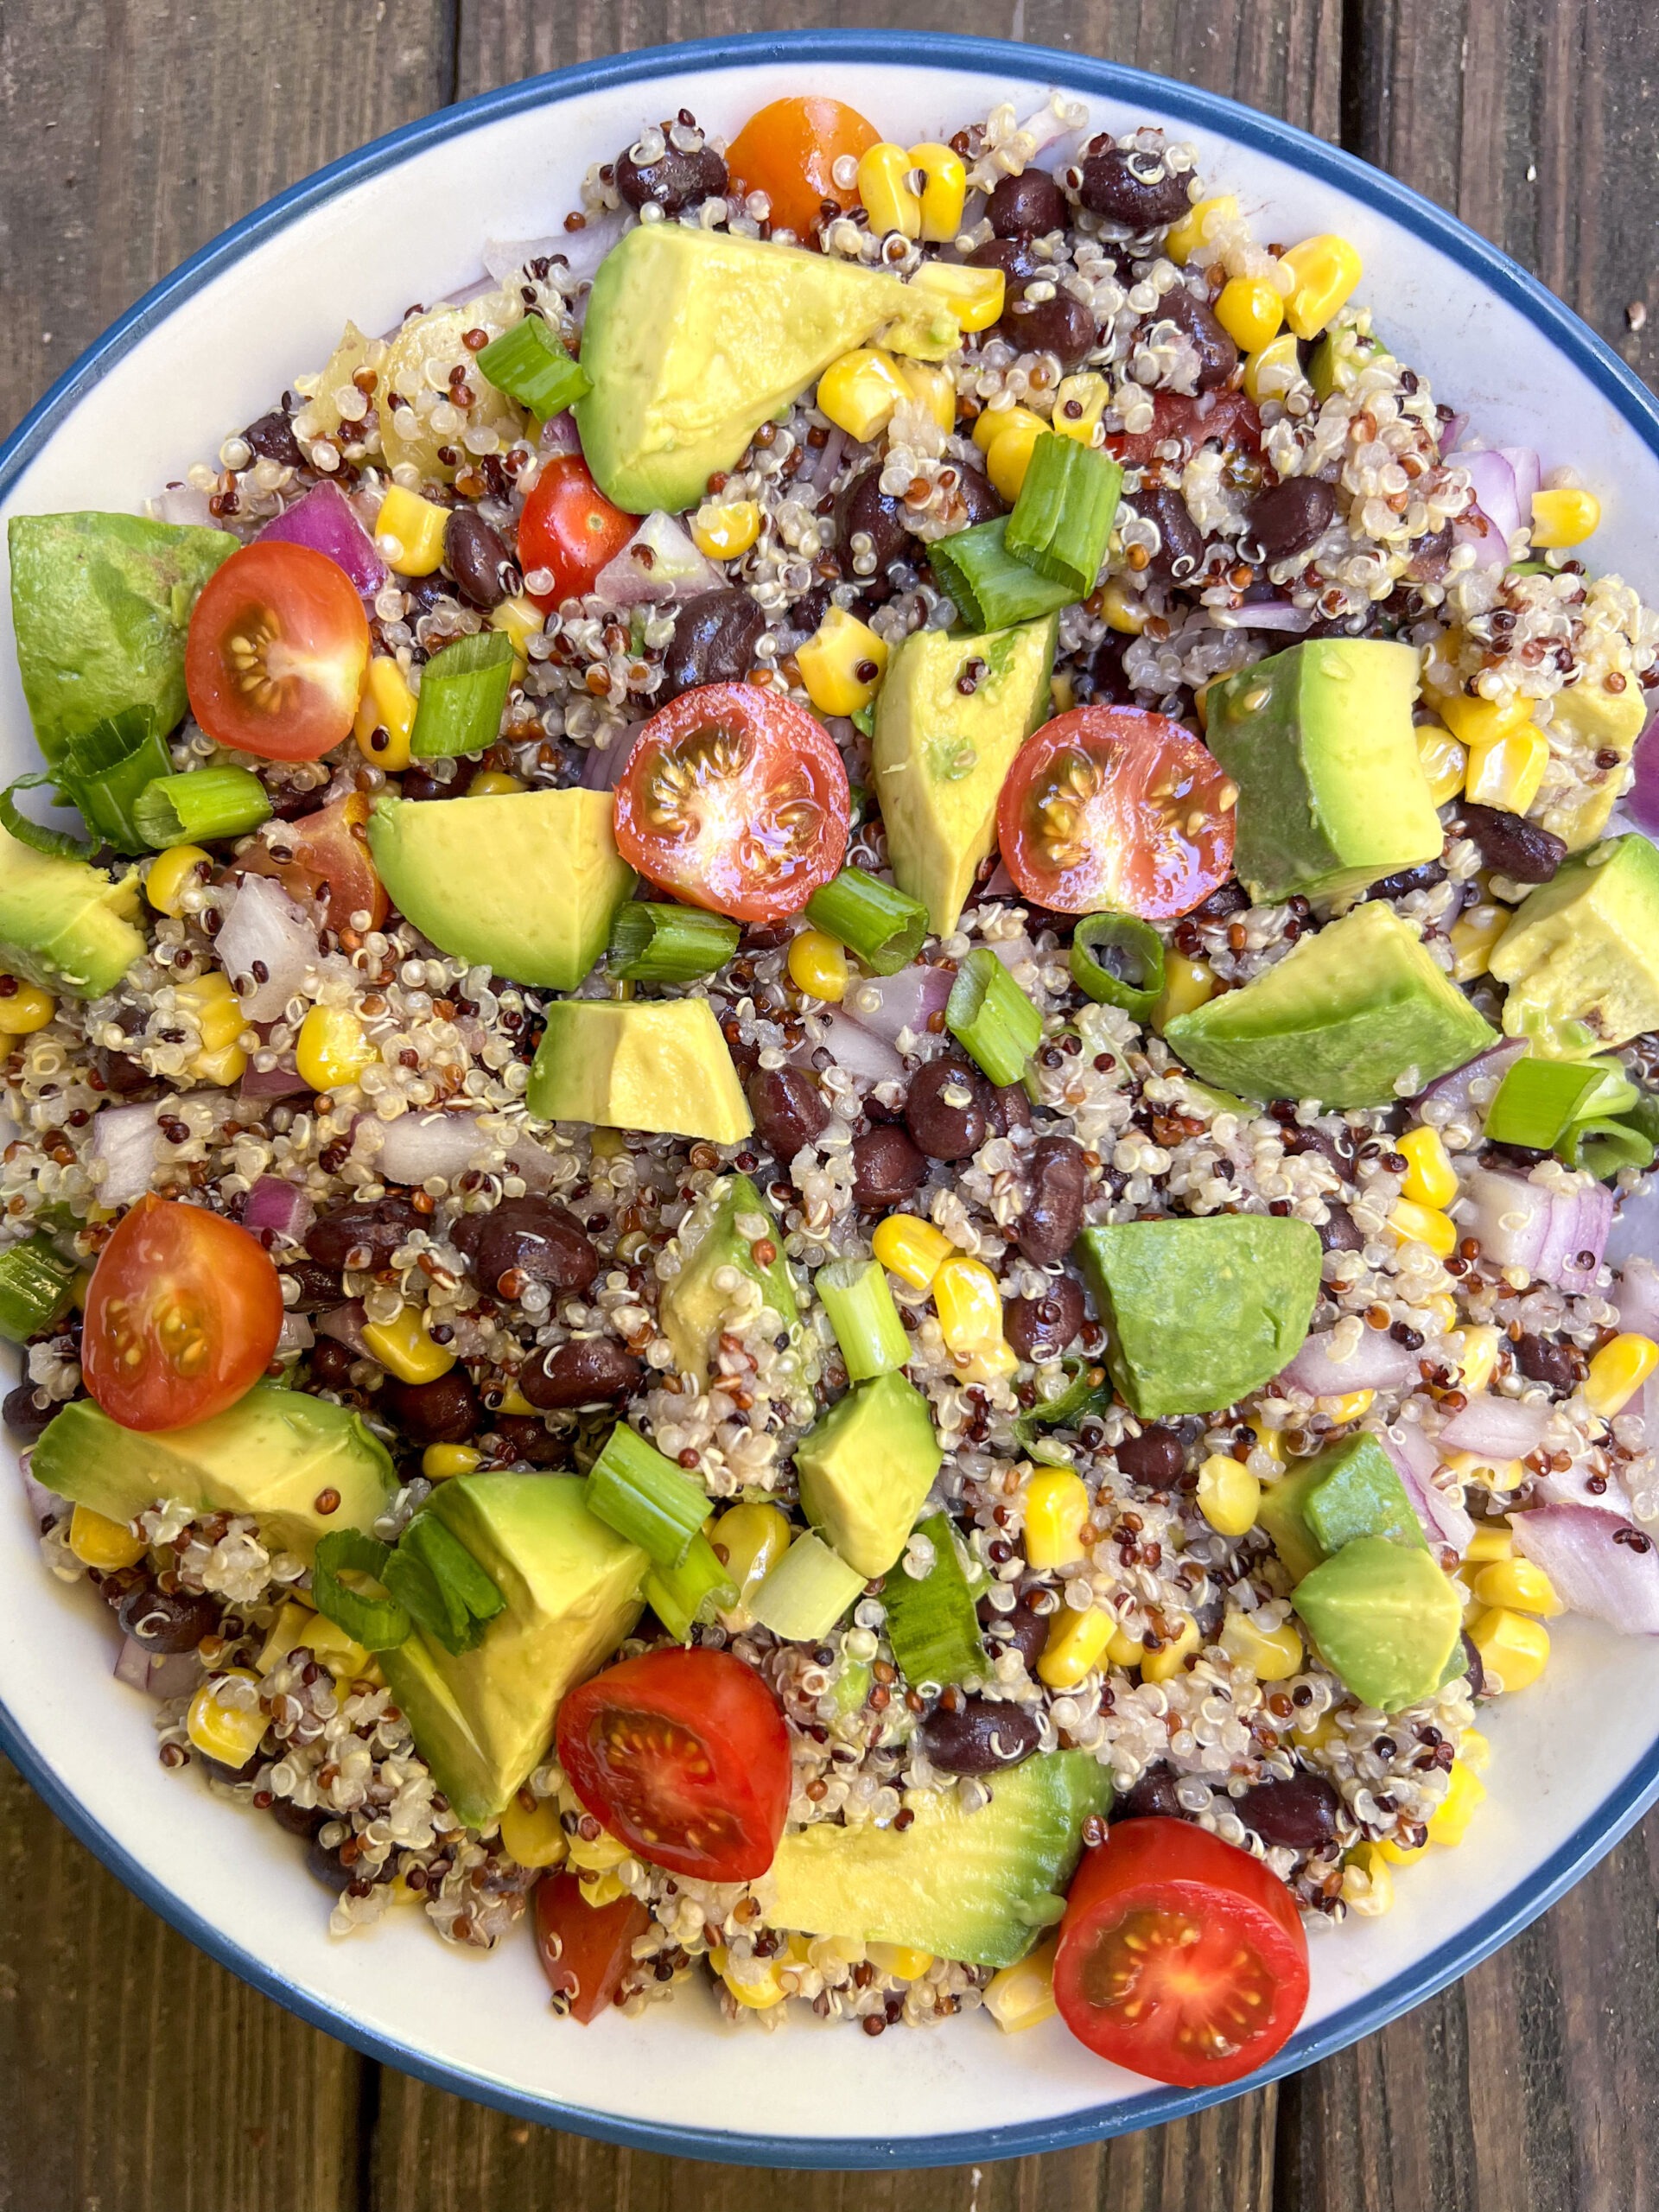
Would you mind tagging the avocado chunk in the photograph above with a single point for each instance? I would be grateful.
(1338, 359)
(100, 605)
(1349, 1489)
(1332, 794)
(980, 1886)
(1581, 956)
(1386, 1621)
(659, 1065)
(1601, 722)
(1198, 1313)
(526, 883)
(64, 926)
(866, 1468)
(273, 1454)
(483, 1719)
(1340, 1019)
(719, 1233)
(695, 338)
(941, 754)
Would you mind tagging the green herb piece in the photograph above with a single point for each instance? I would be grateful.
(1538, 1099)
(56, 844)
(195, 807)
(932, 1624)
(990, 589)
(991, 1017)
(669, 945)
(530, 365)
(463, 690)
(106, 770)
(1118, 961)
(1605, 1147)
(378, 1624)
(1089, 1391)
(864, 1317)
(882, 924)
(681, 1596)
(1063, 517)
(632, 1489)
(34, 1282)
(807, 1592)
(443, 1585)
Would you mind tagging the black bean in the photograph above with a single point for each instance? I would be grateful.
(1101, 680)
(1013, 256)
(807, 612)
(1217, 354)
(1026, 207)
(328, 1867)
(1290, 517)
(1515, 1156)
(945, 1109)
(272, 438)
(1429, 555)
(1298, 1815)
(587, 1371)
(980, 499)
(1041, 1328)
(122, 1077)
(537, 1239)
(1227, 899)
(327, 1366)
(166, 1622)
(981, 1737)
(320, 1286)
(674, 179)
(1058, 1177)
(531, 1442)
(789, 1110)
(887, 1168)
(1062, 326)
(444, 1411)
(713, 642)
(380, 1227)
(1134, 189)
(1337, 1233)
(1180, 555)
(24, 1413)
(302, 1820)
(1509, 844)
(1025, 1627)
(1008, 1108)
(1404, 880)
(484, 572)
(1546, 1359)
(418, 783)
(1154, 1458)
(1475, 1672)
(1335, 1146)
(862, 504)
(1152, 1798)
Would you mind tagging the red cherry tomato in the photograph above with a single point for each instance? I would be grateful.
(1181, 1957)
(570, 529)
(789, 151)
(278, 651)
(684, 1755)
(585, 1949)
(1226, 417)
(328, 862)
(735, 800)
(1113, 806)
(182, 1316)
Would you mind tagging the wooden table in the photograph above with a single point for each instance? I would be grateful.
(142, 2078)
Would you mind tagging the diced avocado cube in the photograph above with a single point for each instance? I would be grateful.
(1338, 359)
(1581, 956)
(64, 926)
(695, 1307)
(1349, 1489)
(866, 1468)
(1385, 1618)
(1603, 722)
(658, 1064)
(1199, 1312)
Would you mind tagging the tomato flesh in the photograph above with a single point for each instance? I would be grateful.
(1181, 1957)
(569, 530)
(1116, 807)
(1224, 417)
(278, 651)
(585, 1949)
(789, 151)
(182, 1316)
(328, 861)
(685, 1755)
(736, 800)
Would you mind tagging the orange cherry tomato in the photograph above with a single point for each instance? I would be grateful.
(570, 529)
(277, 652)
(789, 151)
(326, 860)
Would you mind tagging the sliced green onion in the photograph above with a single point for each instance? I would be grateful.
(807, 1592)
(106, 769)
(988, 1015)
(378, 1624)
(1614, 1096)
(34, 1281)
(463, 690)
(1063, 517)
(530, 365)
(864, 1317)
(1644, 1116)
(882, 924)
(669, 945)
(1089, 1391)
(199, 804)
(682, 1596)
(1538, 1099)
(932, 1624)
(1605, 1147)
(443, 1585)
(988, 586)
(852, 1684)
(863, 720)
(56, 844)
(632, 1489)
(1118, 961)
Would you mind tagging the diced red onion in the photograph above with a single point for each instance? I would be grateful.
(323, 520)
(559, 436)
(265, 930)
(277, 1205)
(1377, 1363)
(1599, 1565)
(1012, 951)
(858, 1052)
(658, 564)
(1500, 1428)
(1635, 1225)
(1451, 1096)
(45, 1504)
(132, 1664)
(1529, 475)
(820, 472)
(1595, 1218)
(602, 770)
(1415, 1460)
(123, 1143)
(416, 1146)
(1635, 1294)
(182, 506)
(534, 1162)
(506, 258)
(1451, 436)
(345, 1324)
(1265, 615)
(1001, 885)
(158, 1674)
(260, 1085)
(1520, 1223)
(1496, 516)
(295, 1336)
(1572, 1486)
(1642, 797)
(885, 1005)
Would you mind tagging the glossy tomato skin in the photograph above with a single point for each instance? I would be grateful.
(789, 151)
(735, 799)
(570, 529)
(200, 1300)
(585, 1949)
(1215, 1978)
(278, 651)
(328, 861)
(1117, 807)
(684, 1755)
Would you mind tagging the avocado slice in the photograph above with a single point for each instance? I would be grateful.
(866, 1468)
(100, 605)
(64, 926)
(1199, 1312)
(695, 1308)
(1601, 722)
(1581, 956)
(1349, 1489)
(942, 754)
(483, 1719)
(526, 883)
(1386, 1620)
(1332, 794)
(1338, 1019)
(273, 1454)
(980, 1886)
(659, 1065)
(1338, 359)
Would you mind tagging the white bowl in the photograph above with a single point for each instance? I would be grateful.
(1575, 1761)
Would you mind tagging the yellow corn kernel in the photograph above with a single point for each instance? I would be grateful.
(1187, 983)
(1474, 937)
(1346, 1405)
(1477, 1358)
(533, 1834)
(1273, 1655)
(440, 1461)
(1565, 517)
(225, 1066)
(1489, 1543)
(1449, 1823)
(1187, 236)
(403, 1346)
(974, 296)
(902, 1960)
(1162, 1666)
(1420, 1224)
(1062, 697)
(518, 621)
(1443, 1307)
(332, 1050)
(1478, 721)
(1519, 1585)
(1123, 610)
(96, 1541)
(1373, 1893)
(220, 1724)
(841, 662)
(1250, 311)
(514, 1401)
(599, 1890)
(171, 874)
(214, 1007)
(860, 391)
(1618, 1372)
(911, 1248)
(386, 715)
(1313, 1735)
(409, 531)
(1008, 456)
(494, 782)
(1475, 1751)
(750, 1540)
(968, 1304)
(1327, 270)
(818, 965)
(1444, 762)
(935, 387)
(721, 533)
(1508, 771)
(1075, 1643)
(1270, 371)
(995, 421)
(1079, 403)
(1493, 1474)
(755, 1982)
(24, 1008)
(1397, 1854)
(1514, 1650)
(296, 1625)
(601, 1854)
(1056, 1505)
(1022, 1995)
(1430, 1177)
(883, 188)
(944, 189)
(1123, 1649)
(1228, 1495)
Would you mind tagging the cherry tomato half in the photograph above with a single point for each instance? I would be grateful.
(570, 529)
(182, 1316)
(684, 1755)
(328, 861)
(789, 151)
(735, 800)
(1227, 418)
(585, 1949)
(1113, 806)
(1181, 1957)
(278, 651)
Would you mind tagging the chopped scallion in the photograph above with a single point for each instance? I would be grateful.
(681, 1596)
(882, 924)
(378, 1624)
(530, 365)
(34, 1282)
(1063, 518)
(932, 1623)
(990, 1015)
(864, 1317)
(463, 690)
(444, 1588)
(199, 804)
(1089, 1391)
(1118, 961)
(807, 1592)
(1538, 1099)
(57, 844)
(988, 586)
(669, 945)
(106, 769)
(632, 1489)
(1605, 1147)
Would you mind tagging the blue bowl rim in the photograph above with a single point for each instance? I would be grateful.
(1587, 353)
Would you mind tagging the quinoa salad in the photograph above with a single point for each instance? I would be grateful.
(810, 1149)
